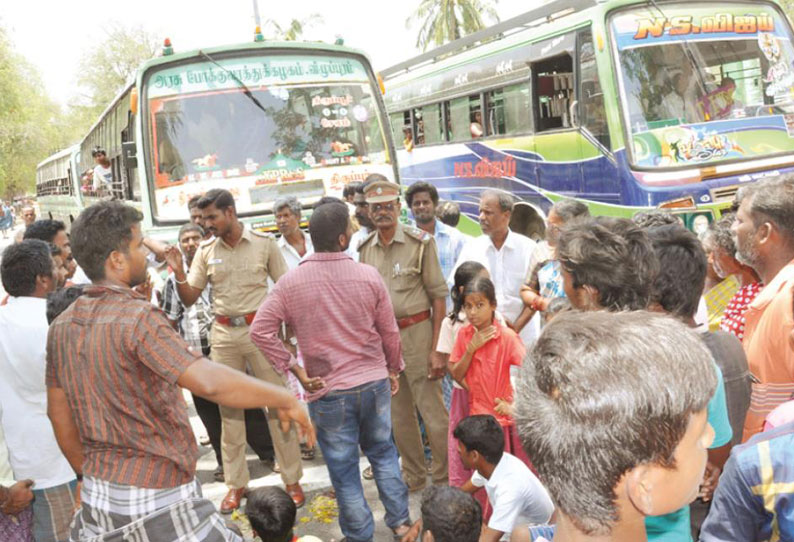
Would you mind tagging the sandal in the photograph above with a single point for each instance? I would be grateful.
(307, 454)
(368, 474)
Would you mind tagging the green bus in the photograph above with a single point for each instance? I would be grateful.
(263, 120)
(623, 104)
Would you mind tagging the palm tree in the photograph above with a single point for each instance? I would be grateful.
(292, 31)
(443, 21)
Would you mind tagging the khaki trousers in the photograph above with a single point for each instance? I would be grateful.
(233, 347)
(417, 392)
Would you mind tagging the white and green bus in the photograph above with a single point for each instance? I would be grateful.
(58, 186)
(263, 120)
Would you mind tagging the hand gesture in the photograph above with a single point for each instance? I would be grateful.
(19, 497)
(174, 258)
(710, 479)
(437, 367)
(481, 337)
(503, 408)
(313, 384)
(394, 381)
(299, 414)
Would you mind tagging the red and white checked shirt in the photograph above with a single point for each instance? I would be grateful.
(343, 319)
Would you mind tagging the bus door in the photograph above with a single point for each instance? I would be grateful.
(598, 166)
(557, 141)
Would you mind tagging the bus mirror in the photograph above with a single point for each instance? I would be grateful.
(129, 155)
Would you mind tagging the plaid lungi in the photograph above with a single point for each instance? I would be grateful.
(118, 513)
(53, 509)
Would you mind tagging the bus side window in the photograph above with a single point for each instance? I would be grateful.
(591, 99)
(429, 125)
(465, 118)
(396, 122)
(509, 110)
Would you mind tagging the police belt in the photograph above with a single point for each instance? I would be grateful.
(235, 321)
(408, 321)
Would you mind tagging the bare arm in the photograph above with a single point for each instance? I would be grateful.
(158, 248)
(187, 293)
(523, 319)
(490, 535)
(437, 368)
(64, 427)
(458, 370)
(219, 384)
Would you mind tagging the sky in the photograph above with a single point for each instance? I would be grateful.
(54, 35)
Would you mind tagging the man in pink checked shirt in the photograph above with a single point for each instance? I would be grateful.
(342, 316)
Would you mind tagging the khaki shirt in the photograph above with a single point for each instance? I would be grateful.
(410, 268)
(238, 275)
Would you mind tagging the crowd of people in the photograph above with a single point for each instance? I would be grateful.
(620, 380)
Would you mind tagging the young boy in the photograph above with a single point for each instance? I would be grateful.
(515, 494)
(611, 409)
(271, 512)
(448, 515)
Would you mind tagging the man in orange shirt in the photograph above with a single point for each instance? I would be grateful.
(764, 235)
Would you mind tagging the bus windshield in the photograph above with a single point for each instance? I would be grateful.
(705, 83)
(261, 138)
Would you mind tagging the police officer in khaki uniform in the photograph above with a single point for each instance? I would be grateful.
(238, 262)
(407, 260)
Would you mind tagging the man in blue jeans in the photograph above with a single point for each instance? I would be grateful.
(342, 316)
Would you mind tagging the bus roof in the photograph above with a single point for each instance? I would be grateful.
(60, 154)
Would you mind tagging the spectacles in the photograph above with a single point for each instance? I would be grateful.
(382, 207)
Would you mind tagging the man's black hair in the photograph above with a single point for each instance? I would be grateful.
(97, 151)
(271, 512)
(99, 230)
(448, 212)
(612, 255)
(22, 264)
(222, 199)
(328, 199)
(59, 300)
(451, 514)
(193, 202)
(327, 223)
(350, 189)
(653, 218)
(682, 270)
(482, 433)
(421, 186)
(44, 229)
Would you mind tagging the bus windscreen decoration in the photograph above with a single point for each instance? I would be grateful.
(685, 25)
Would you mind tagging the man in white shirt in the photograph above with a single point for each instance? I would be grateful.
(294, 243)
(103, 173)
(515, 494)
(506, 255)
(27, 271)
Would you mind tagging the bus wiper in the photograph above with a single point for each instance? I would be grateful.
(242, 85)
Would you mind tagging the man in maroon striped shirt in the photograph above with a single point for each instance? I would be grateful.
(343, 319)
(115, 367)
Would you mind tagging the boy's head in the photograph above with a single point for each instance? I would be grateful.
(271, 512)
(682, 271)
(450, 515)
(607, 263)
(612, 410)
(60, 300)
(480, 440)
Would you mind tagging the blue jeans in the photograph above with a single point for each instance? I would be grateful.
(344, 420)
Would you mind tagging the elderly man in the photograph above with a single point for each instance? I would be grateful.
(28, 218)
(506, 255)
(407, 260)
(764, 233)
(351, 371)
(294, 244)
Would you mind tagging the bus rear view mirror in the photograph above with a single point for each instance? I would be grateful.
(129, 155)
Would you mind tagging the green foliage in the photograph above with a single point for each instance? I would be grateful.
(442, 21)
(105, 70)
(31, 126)
(292, 31)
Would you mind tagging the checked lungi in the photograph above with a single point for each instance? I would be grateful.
(117, 513)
